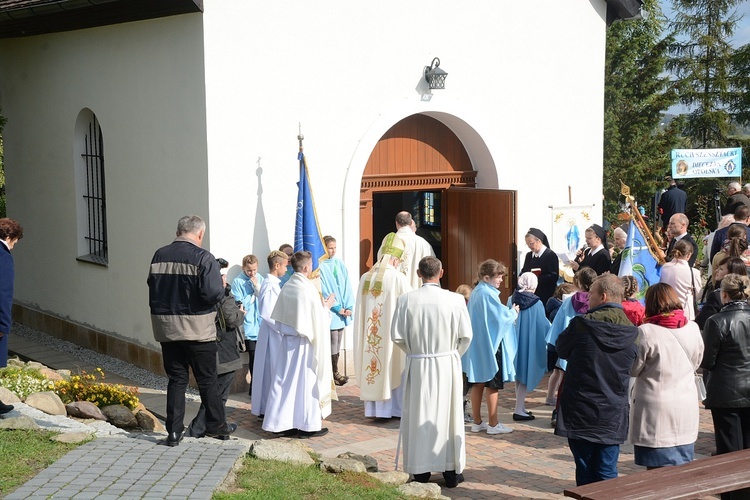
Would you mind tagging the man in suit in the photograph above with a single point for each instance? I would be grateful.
(741, 216)
(672, 201)
(677, 228)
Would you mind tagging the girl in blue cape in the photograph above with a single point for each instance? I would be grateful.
(489, 361)
(530, 331)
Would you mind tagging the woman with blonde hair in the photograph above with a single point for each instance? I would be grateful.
(632, 306)
(685, 280)
(727, 356)
(664, 416)
(489, 361)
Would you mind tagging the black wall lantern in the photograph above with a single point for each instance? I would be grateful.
(434, 75)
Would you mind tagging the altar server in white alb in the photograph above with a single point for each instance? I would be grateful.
(433, 328)
(302, 387)
(269, 339)
(377, 363)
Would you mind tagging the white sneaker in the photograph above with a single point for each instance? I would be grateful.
(499, 429)
(479, 427)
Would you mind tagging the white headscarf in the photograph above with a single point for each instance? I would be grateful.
(527, 282)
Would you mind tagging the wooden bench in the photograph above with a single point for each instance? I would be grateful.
(699, 478)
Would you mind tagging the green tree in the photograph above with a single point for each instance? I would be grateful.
(637, 91)
(740, 105)
(702, 62)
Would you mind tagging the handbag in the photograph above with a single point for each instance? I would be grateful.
(700, 387)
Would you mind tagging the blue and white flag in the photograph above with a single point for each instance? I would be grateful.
(639, 262)
(306, 230)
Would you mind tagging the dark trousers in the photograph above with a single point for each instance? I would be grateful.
(4, 350)
(250, 347)
(201, 358)
(594, 461)
(197, 427)
(732, 433)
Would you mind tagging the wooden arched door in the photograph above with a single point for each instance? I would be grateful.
(414, 164)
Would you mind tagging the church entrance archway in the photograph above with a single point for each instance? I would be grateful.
(421, 166)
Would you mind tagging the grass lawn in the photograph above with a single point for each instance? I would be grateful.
(268, 479)
(25, 454)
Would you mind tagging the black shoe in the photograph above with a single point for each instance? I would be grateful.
(5, 408)
(553, 422)
(452, 479)
(222, 430)
(174, 438)
(518, 417)
(422, 477)
(311, 434)
(288, 433)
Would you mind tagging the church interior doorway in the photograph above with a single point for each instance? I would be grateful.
(424, 207)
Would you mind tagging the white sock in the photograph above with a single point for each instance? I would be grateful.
(521, 399)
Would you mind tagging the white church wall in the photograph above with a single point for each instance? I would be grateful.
(527, 80)
(144, 81)
(191, 107)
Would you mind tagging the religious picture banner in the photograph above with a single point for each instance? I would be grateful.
(701, 163)
(568, 225)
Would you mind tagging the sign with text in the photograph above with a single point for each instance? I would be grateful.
(725, 162)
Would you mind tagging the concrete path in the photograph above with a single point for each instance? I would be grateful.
(531, 462)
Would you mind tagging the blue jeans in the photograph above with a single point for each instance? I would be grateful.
(594, 461)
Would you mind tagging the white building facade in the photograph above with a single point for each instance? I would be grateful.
(199, 113)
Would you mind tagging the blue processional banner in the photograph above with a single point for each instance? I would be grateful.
(725, 162)
(639, 262)
(307, 234)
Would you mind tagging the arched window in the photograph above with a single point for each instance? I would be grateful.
(92, 200)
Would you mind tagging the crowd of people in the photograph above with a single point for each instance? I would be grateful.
(620, 369)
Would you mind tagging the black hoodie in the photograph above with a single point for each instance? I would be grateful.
(600, 349)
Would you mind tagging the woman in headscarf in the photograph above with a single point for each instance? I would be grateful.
(531, 329)
(543, 262)
(595, 254)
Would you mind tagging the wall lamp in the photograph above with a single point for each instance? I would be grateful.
(434, 75)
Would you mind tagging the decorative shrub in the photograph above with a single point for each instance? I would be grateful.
(24, 381)
(91, 387)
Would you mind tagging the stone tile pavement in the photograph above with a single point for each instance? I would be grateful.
(111, 468)
(531, 462)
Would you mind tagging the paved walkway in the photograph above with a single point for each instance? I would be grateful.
(531, 462)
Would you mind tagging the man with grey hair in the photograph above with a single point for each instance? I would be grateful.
(185, 284)
(600, 349)
(735, 198)
(746, 189)
(677, 228)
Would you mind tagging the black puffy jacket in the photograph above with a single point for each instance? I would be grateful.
(726, 337)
